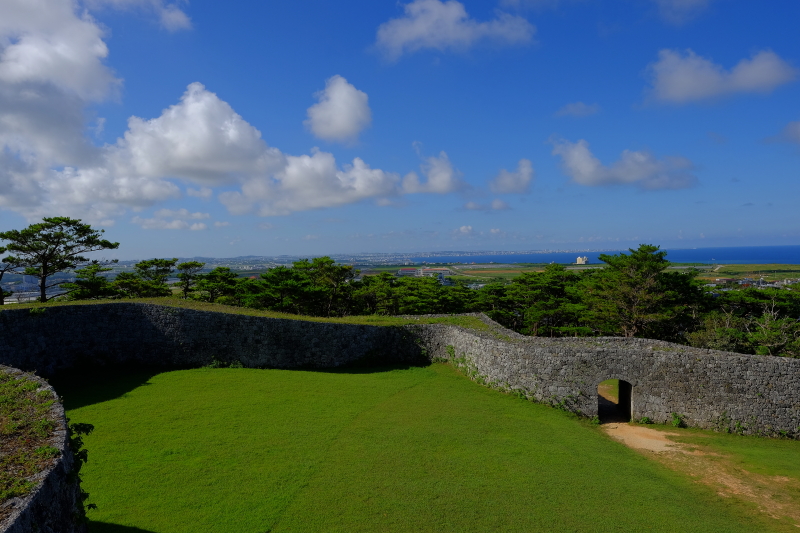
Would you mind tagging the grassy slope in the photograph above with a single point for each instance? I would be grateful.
(419, 449)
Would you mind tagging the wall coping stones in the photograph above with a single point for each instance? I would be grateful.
(51, 506)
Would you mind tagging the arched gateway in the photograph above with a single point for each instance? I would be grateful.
(614, 401)
(708, 388)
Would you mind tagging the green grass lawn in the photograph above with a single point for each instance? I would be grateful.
(385, 450)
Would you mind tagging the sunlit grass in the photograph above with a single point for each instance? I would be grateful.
(415, 449)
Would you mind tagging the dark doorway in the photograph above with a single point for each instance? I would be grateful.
(614, 401)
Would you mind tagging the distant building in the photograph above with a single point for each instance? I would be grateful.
(582, 260)
(407, 272)
(434, 272)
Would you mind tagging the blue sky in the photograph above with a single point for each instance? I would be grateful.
(267, 128)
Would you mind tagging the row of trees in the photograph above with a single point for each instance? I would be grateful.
(634, 295)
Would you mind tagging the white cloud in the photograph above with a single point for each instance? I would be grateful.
(680, 11)
(495, 231)
(447, 26)
(51, 69)
(441, 177)
(341, 113)
(201, 139)
(47, 42)
(578, 109)
(310, 182)
(171, 17)
(513, 182)
(634, 168)
(219, 224)
(465, 230)
(684, 77)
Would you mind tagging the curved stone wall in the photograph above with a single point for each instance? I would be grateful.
(712, 389)
(51, 506)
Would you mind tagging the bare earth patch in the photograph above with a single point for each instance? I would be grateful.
(776, 496)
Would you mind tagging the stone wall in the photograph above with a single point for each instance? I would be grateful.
(132, 333)
(710, 388)
(51, 506)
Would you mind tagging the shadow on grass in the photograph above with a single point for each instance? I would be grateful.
(104, 527)
(84, 386)
(368, 368)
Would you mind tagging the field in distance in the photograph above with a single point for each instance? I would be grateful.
(388, 449)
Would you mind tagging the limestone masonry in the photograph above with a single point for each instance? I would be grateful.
(50, 507)
(711, 389)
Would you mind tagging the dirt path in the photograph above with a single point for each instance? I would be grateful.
(776, 496)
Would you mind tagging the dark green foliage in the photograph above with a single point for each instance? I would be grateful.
(219, 282)
(148, 279)
(7, 265)
(54, 245)
(635, 296)
(187, 274)
(90, 284)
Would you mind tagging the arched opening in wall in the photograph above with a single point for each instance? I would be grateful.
(614, 401)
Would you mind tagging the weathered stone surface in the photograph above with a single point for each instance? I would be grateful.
(51, 506)
(710, 388)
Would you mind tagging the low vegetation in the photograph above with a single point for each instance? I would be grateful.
(26, 427)
(403, 449)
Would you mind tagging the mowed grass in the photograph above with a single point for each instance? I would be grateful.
(406, 449)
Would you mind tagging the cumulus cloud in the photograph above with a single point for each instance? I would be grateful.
(465, 230)
(223, 224)
(433, 24)
(578, 109)
(681, 77)
(341, 113)
(681, 11)
(513, 182)
(641, 168)
(46, 42)
(51, 69)
(310, 182)
(441, 177)
(201, 139)
(171, 16)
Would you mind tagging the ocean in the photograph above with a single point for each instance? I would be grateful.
(743, 255)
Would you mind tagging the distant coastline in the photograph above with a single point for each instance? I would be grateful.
(721, 255)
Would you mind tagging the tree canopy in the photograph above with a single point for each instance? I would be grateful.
(56, 244)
